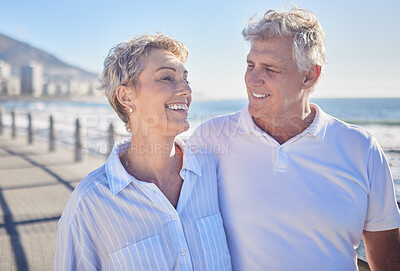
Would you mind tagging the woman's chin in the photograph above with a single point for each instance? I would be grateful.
(177, 128)
(184, 130)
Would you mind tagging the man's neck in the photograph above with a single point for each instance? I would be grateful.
(285, 127)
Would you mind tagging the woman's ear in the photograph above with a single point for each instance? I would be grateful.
(311, 77)
(124, 96)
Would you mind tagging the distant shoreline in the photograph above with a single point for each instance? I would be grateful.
(88, 99)
(103, 99)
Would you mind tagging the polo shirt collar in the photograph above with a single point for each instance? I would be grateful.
(246, 123)
(118, 178)
(317, 128)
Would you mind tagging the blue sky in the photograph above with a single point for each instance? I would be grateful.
(363, 38)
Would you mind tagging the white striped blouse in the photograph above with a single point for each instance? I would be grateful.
(113, 221)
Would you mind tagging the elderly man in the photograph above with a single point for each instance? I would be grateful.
(298, 188)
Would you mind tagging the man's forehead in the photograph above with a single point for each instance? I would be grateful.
(276, 49)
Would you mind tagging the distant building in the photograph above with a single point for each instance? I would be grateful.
(78, 87)
(7, 81)
(94, 89)
(3, 87)
(13, 86)
(49, 89)
(61, 89)
(32, 80)
(5, 70)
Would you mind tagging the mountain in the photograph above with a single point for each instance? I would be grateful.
(19, 54)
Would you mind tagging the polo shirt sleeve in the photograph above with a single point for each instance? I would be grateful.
(383, 212)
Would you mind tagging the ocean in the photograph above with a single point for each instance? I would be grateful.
(379, 116)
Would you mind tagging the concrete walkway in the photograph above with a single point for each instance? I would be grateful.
(35, 185)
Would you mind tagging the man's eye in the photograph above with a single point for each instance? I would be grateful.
(250, 66)
(270, 70)
(167, 78)
(187, 82)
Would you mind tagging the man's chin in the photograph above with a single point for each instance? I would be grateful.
(255, 111)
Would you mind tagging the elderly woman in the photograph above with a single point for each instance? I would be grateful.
(153, 205)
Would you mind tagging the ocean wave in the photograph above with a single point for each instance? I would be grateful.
(373, 122)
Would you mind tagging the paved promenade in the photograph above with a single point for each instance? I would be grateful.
(35, 185)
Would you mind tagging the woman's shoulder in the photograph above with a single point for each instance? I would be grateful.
(86, 190)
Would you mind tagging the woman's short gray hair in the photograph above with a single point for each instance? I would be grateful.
(126, 61)
(301, 24)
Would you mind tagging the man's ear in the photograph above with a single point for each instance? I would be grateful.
(311, 77)
(124, 96)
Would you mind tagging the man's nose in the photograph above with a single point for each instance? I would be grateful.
(254, 78)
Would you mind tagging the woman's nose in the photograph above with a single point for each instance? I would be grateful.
(185, 89)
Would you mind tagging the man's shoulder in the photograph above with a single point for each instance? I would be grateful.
(342, 129)
(219, 124)
(85, 191)
(231, 117)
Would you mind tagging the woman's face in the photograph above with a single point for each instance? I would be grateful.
(162, 97)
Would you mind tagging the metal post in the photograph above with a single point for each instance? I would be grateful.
(111, 138)
(13, 128)
(51, 134)
(30, 129)
(78, 145)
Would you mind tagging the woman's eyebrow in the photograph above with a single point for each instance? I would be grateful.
(169, 68)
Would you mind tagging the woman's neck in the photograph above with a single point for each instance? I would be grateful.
(151, 158)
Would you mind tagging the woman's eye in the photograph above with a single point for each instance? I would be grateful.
(167, 78)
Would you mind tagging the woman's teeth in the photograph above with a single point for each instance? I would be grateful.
(178, 107)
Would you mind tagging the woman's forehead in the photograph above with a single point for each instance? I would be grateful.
(163, 58)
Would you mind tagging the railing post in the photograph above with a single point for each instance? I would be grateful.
(1, 121)
(30, 129)
(78, 145)
(51, 134)
(13, 128)
(111, 138)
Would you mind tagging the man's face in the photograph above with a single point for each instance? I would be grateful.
(274, 84)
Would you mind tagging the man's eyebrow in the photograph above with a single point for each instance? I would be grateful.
(263, 64)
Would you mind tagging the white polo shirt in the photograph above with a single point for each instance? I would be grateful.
(302, 205)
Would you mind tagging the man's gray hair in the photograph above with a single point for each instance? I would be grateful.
(301, 24)
(126, 61)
